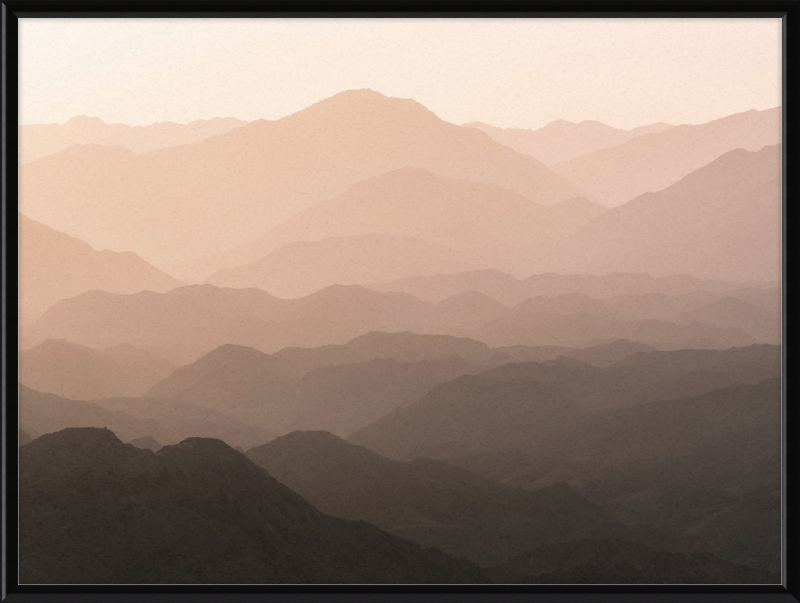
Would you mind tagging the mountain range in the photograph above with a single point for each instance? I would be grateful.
(166, 421)
(198, 512)
(652, 162)
(75, 371)
(258, 175)
(562, 140)
(39, 140)
(485, 223)
(54, 266)
(538, 408)
(429, 502)
(721, 221)
(185, 323)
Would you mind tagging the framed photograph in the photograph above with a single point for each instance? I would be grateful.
(363, 303)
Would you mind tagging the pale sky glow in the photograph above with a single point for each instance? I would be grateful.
(505, 72)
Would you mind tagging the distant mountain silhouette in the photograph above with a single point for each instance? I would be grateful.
(510, 290)
(461, 312)
(39, 140)
(737, 416)
(180, 325)
(761, 324)
(167, 421)
(564, 140)
(608, 354)
(721, 221)
(427, 501)
(55, 266)
(342, 388)
(182, 511)
(301, 391)
(620, 562)
(580, 329)
(473, 412)
(256, 176)
(653, 162)
(43, 413)
(188, 322)
(403, 346)
(75, 371)
(301, 268)
(537, 408)
(483, 221)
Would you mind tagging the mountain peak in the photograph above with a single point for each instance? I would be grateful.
(365, 105)
(81, 439)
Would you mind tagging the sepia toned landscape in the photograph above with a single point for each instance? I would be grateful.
(365, 341)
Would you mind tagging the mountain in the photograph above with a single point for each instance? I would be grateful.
(300, 391)
(167, 421)
(737, 417)
(188, 322)
(540, 408)
(435, 288)
(705, 469)
(654, 161)
(759, 323)
(180, 325)
(182, 511)
(721, 221)
(608, 354)
(510, 291)
(479, 220)
(74, 371)
(39, 140)
(55, 266)
(562, 140)
(473, 412)
(581, 329)
(620, 562)
(43, 413)
(461, 312)
(428, 502)
(301, 268)
(254, 177)
(403, 346)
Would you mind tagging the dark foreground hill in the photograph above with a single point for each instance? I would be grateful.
(95, 510)
(620, 562)
(430, 502)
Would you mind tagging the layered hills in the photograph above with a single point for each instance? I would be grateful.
(562, 140)
(167, 421)
(485, 223)
(302, 268)
(504, 408)
(429, 502)
(39, 140)
(654, 161)
(258, 175)
(55, 266)
(81, 373)
(182, 512)
(722, 221)
(185, 323)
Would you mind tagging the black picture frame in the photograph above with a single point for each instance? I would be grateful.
(12, 10)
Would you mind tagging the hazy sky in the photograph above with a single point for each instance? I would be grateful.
(505, 72)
